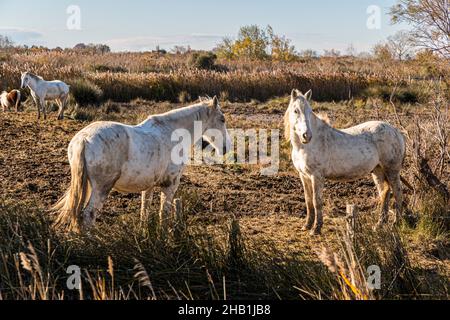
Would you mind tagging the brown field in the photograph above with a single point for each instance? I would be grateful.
(34, 173)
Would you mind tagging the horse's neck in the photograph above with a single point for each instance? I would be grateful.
(191, 119)
(33, 84)
(319, 129)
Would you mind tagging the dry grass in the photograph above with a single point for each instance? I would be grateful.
(124, 77)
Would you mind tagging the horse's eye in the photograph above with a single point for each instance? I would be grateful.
(296, 111)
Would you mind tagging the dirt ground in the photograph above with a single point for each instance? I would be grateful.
(34, 168)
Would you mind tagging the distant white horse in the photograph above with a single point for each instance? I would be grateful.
(110, 155)
(43, 91)
(10, 99)
(321, 152)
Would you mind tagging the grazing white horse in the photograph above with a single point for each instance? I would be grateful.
(43, 91)
(321, 152)
(10, 99)
(132, 159)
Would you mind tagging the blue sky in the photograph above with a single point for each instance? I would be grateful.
(141, 25)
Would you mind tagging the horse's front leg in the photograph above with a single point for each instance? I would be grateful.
(44, 112)
(38, 106)
(307, 187)
(168, 191)
(146, 201)
(317, 186)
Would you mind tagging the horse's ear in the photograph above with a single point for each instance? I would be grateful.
(308, 95)
(295, 93)
(215, 102)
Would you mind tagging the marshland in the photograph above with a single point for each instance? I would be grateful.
(236, 233)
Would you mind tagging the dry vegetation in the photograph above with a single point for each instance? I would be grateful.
(163, 77)
(239, 236)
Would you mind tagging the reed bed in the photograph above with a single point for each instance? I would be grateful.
(126, 76)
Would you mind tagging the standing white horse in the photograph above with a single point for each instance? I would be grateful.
(110, 155)
(42, 91)
(321, 152)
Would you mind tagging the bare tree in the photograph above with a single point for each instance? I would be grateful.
(423, 137)
(400, 45)
(5, 42)
(351, 50)
(430, 21)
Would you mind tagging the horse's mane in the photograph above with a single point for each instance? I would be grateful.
(184, 111)
(287, 126)
(35, 77)
(324, 117)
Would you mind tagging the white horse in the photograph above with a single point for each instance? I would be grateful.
(132, 159)
(321, 152)
(43, 91)
(10, 99)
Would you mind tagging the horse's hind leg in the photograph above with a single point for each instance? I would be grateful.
(382, 185)
(167, 195)
(395, 183)
(62, 105)
(95, 204)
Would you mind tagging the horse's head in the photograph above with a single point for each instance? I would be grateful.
(25, 79)
(298, 116)
(216, 132)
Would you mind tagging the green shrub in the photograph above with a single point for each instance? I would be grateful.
(405, 94)
(205, 61)
(106, 68)
(85, 92)
(110, 107)
(184, 97)
(84, 114)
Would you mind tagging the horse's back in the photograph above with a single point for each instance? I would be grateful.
(57, 87)
(105, 143)
(388, 140)
(129, 155)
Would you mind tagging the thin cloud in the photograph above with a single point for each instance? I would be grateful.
(144, 43)
(20, 35)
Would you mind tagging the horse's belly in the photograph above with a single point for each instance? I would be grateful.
(52, 96)
(137, 178)
(132, 186)
(351, 169)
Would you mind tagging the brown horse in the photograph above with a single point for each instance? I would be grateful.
(10, 99)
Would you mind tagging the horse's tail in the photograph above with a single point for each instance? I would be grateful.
(69, 208)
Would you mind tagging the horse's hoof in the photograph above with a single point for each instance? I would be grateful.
(315, 232)
(306, 227)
